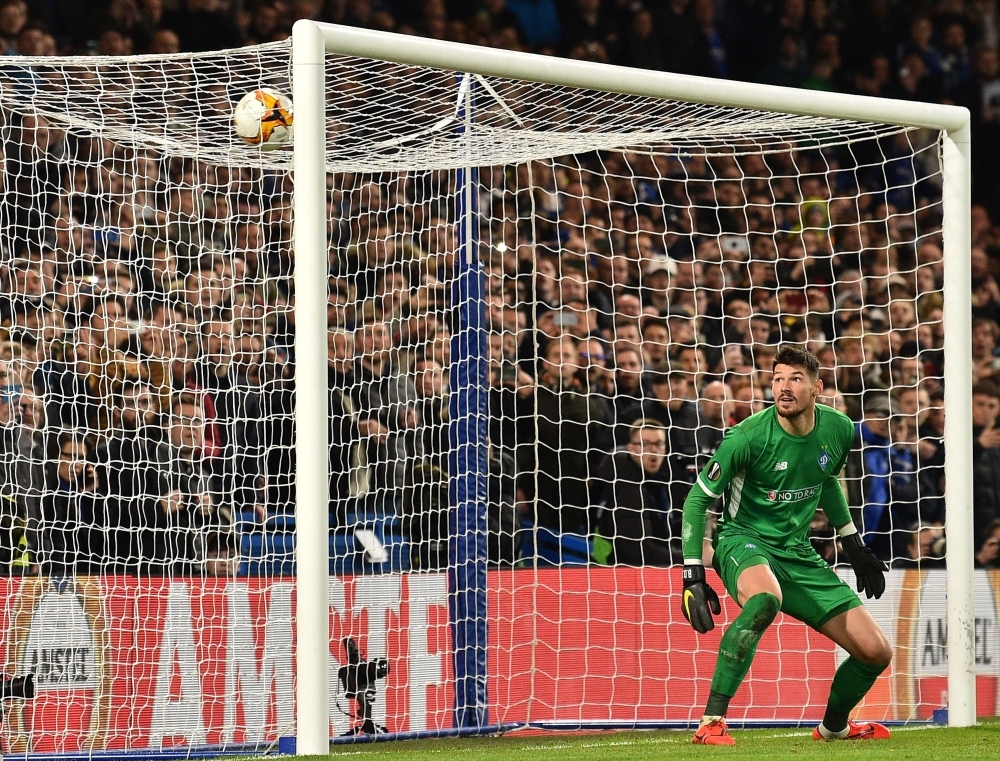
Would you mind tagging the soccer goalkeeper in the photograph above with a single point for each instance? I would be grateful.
(774, 470)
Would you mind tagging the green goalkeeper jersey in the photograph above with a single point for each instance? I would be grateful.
(772, 482)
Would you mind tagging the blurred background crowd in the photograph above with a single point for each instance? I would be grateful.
(634, 302)
(929, 50)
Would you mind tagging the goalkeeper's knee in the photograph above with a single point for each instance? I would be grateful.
(762, 608)
(875, 653)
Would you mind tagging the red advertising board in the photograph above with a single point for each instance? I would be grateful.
(571, 645)
(135, 663)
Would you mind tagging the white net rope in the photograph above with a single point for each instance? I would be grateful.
(641, 260)
(381, 116)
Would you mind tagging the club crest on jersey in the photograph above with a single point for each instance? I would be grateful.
(824, 460)
(714, 472)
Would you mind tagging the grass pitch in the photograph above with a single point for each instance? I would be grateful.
(906, 744)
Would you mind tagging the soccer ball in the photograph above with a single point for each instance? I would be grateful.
(264, 117)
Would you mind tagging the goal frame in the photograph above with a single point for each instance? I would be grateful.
(311, 41)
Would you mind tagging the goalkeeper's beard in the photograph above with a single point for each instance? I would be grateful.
(798, 408)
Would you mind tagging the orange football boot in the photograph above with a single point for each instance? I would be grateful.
(714, 733)
(859, 731)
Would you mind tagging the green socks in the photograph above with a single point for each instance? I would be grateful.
(851, 683)
(737, 649)
(739, 645)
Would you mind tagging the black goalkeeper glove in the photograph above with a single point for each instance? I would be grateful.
(699, 600)
(868, 568)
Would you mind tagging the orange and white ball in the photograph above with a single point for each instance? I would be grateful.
(264, 117)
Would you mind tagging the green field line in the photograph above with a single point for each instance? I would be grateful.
(918, 743)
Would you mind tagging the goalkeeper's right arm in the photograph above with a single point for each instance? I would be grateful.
(693, 525)
(698, 600)
(730, 458)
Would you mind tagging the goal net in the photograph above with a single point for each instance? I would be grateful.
(545, 307)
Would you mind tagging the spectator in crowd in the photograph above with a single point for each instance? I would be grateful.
(269, 370)
(985, 291)
(641, 42)
(891, 491)
(385, 400)
(714, 406)
(914, 403)
(691, 359)
(789, 68)
(919, 44)
(930, 430)
(629, 387)
(554, 472)
(687, 437)
(129, 471)
(956, 60)
(633, 504)
(747, 400)
(348, 468)
(985, 459)
(677, 32)
(985, 361)
(186, 516)
(588, 29)
(204, 25)
(655, 341)
(22, 438)
(981, 95)
(597, 375)
(13, 18)
(73, 512)
(237, 468)
(925, 547)
(509, 382)
(431, 385)
(988, 553)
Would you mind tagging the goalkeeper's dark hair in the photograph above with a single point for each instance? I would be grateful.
(795, 356)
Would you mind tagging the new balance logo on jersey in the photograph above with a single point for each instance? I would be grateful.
(783, 465)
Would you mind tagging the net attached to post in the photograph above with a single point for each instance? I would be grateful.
(636, 260)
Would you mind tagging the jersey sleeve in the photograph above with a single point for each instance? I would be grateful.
(832, 499)
(731, 459)
(847, 435)
(834, 502)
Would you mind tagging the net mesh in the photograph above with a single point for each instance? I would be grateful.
(641, 259)
(382, 116)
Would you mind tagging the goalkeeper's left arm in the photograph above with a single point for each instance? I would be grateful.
(833, 502)
(870, 571)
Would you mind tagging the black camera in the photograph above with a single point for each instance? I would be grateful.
(18, 688)
(357, 679)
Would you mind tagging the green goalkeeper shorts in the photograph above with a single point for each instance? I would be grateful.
(810, 590)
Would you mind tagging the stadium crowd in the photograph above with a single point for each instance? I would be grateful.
(930, 50)
(634, 303)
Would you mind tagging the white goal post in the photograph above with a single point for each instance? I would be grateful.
(311, 44)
